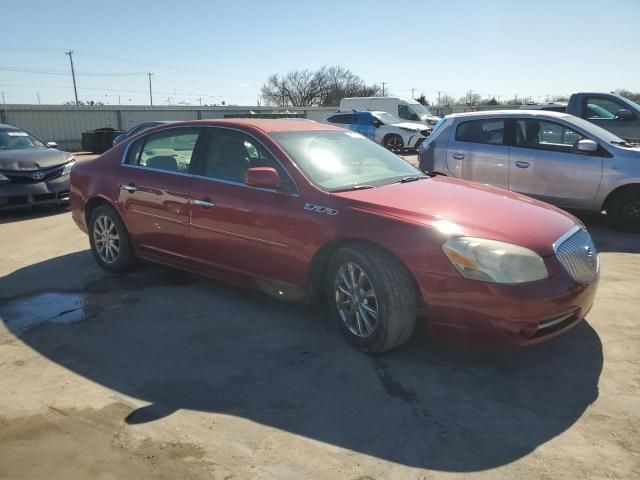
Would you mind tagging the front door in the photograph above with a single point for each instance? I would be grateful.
(603, 111)
(239, 229)
(154, 184)
(545, 164)
(476, 151)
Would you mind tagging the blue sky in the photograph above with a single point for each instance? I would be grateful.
(223, 50)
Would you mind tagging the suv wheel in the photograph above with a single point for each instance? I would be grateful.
(394, 143)
(372, 297)
(109, 240)
(624, 209)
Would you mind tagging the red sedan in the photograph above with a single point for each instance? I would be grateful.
(299, 209)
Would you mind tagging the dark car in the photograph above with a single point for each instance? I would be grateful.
(141, 127)
(300, 209)
(32, 172)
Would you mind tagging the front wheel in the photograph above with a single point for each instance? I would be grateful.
(109, 239)
(371, 296)
(624, 210)
(394, 143)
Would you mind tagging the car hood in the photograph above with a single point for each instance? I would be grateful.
(32, 158)
(412, 125)
(457, 207)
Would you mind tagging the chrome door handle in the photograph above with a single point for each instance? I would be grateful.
(205, 203)
(129, 188)
(458, 156)
(521, 164)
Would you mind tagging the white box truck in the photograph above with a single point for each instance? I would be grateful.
(399, 107)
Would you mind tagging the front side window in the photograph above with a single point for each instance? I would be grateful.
(597, 108)
(489, 131)
(545, 135)
(170, 150)
(231, 153)
(338, 160)
(407, 113)
(16, 139)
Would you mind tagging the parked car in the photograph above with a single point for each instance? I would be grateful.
(302, 209)
(384, 129)
(141, 127)
(610, 111)
(32, 172)
(403, 108)
(555, 157)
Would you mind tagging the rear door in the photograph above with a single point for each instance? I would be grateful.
(545, 164)
(476, 151)
(154, 184)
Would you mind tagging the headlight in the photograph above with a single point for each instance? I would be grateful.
(493, 261)
(67, 168)
(3, 178)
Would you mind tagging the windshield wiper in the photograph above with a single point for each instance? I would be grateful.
(410, 179)
(624, 143)
(353, 187)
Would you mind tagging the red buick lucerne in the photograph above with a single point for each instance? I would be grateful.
(300, 209)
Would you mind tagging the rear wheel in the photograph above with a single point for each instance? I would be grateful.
(109, 240)
(372, 298)
(624, 209)
(394, 143)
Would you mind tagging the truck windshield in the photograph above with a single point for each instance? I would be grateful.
(420, 110)
(336, 160)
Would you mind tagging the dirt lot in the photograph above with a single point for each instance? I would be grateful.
(162, 374)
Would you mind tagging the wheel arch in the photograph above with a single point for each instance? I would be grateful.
(320, 261)
(95, 202)
(617, 191)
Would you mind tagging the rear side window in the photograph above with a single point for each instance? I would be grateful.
(167, 150)
(489, 131)
(344, 118)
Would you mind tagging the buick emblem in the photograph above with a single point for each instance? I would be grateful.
(38, 176)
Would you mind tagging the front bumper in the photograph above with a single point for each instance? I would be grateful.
(19, 195)
(467, 312)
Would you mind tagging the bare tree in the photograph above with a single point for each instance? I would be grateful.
(324, 87)
(633, 96)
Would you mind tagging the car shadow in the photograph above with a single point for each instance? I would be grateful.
(607, 238)
(28, 213)
(179, 341)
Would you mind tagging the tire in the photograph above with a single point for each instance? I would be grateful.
(118, 257)
(394, 298)
(394, 143)
(624, 209)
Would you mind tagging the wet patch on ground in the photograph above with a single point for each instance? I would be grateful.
(48, 446)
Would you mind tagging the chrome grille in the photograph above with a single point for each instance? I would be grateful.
(577, 254)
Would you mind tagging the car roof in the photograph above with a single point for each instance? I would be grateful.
(6, 125)
(510, 113)
(266, 125)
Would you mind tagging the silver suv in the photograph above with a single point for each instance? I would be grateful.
(555, 157)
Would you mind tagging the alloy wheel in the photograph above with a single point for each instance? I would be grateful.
(394, 144)
(106, 239)
(355, 300)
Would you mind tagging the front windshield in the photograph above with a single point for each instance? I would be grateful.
(16, 139)
(386, 118)
(339, 160)
(597, 131)
(420, 110)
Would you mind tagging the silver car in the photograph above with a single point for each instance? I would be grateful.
(555, 157)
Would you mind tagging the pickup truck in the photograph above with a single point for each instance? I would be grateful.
(610, 111)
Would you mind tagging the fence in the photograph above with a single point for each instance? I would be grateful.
(64, 124)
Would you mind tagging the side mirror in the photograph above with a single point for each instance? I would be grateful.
(624, 114)
(376, 123)
(587, 146)
(262, 177)
(52, 145)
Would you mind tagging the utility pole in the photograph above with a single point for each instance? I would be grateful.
(38, 95)
(383, 84)
(413, 97)
(73, 75)
(150, 92)
(119, 103)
